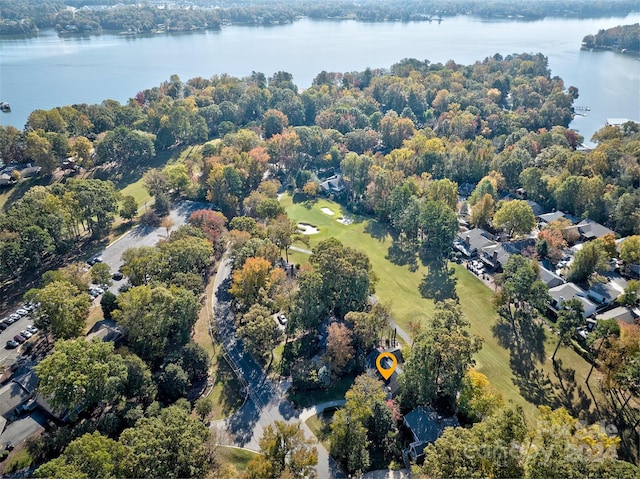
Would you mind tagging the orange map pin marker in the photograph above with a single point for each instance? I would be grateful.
(386, 372)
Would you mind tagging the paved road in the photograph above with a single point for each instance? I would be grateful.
(266, 402)
(9, 356)
(145, 236)
(23, 428)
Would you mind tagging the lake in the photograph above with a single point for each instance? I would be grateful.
(48, 70)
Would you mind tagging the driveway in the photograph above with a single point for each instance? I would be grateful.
(23, 428)
(266, 400)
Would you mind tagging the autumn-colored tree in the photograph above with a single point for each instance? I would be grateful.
(609, 246)
(339, 347)
(251, 282)
(478, 398)
(483, 211)
(213, 223)
(630, 250)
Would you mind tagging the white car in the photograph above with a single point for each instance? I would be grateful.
(25, 334)
(32, 329)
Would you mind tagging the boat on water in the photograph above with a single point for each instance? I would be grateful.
(5, 107)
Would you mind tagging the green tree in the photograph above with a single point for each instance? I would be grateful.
(286, 452)
(282, 231)
(101, 274)
(129, 208)
(63, 309)
(590, 258)
(630, 250)
(260, 332)
(125, 147)
(90, 456)
(368, 326)
(440, 357)
(439, 225)
(203, 407)
(482, 212)
(98, 203)
(81, 374)
(156, 318)
(630, 295)
(515, 217)
(569, 320)
(39, 149)
(171, 445)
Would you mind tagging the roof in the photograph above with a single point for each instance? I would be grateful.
(550, 278)
(568, 291)
(17, 391)
(608, 291)
(591, 230)
(621, 313)
(537, 209)
(556, 215)
(333, 183)
(469, 242)
(427, 425)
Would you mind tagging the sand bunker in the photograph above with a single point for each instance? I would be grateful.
(345, 221)
(307, 229)
(327, 211)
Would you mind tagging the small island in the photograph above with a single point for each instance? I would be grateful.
(622, 39)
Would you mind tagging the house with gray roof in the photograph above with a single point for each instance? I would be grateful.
(550, 278)
(469, 243)
(333, 184)
(620, 313)
(426, 426)
(590, 230)
(565, 292)
(605, 293)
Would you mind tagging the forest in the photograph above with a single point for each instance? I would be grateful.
(29, 16)
(623, 38)
(404, 138)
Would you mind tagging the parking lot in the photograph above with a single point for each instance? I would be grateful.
(9, 356)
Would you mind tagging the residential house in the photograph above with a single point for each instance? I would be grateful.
(18, 391)
(605, 293)
(333, 184)
(620, 313)
(426, 426)
(590, 230)
(550, 278)
(470, 242)
(392, 386)
(546, 218)
(495, 256)
(536, 208)
(565, 292)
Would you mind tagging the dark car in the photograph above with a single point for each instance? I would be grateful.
(117, 276)
(3, 326)
(11, 344)
(20, 339)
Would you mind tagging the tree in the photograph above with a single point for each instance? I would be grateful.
(630, 295)
(101, 274)
(630, 250)
(590, 258)
(286, 452)
(39, 149)
(482, 212)
(82, 148)
(440, 357)
(261, 333)
(273, 123)
(213, 224)
(63, 309)
(173, 383)
(491, 448)
(91, 455)
(339, 347)
(521, 287)
(81, 374)
(515, 217)
(250, 283)
(478, 398)
(129, 208)
(363, 426)
(570, 318)
(439, 225)
(281, 231)
(608, 243)
(203, 407)
(98, 203)
(171, 445)
(125, 147)
(156, 318)
(368, 326)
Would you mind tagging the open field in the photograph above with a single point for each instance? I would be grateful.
(398, 286)
(239, 458)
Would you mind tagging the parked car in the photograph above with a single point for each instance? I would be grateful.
(117, 276)
(19, 338)
(22, 312)
(11, 344)
(30, 405)
(10, 320)
(3, 326)
(32, 329)
(15, 316)
(25, 334)
(282, 319)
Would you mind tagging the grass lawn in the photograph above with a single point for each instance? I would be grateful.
(398, 286)
(320, 425)
(304, 399)
(18, 459)
(236, 456)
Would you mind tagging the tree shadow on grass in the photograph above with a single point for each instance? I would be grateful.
(378, 231)
(403, 253)
(230, 398)
(572, 396)
(439, 283)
